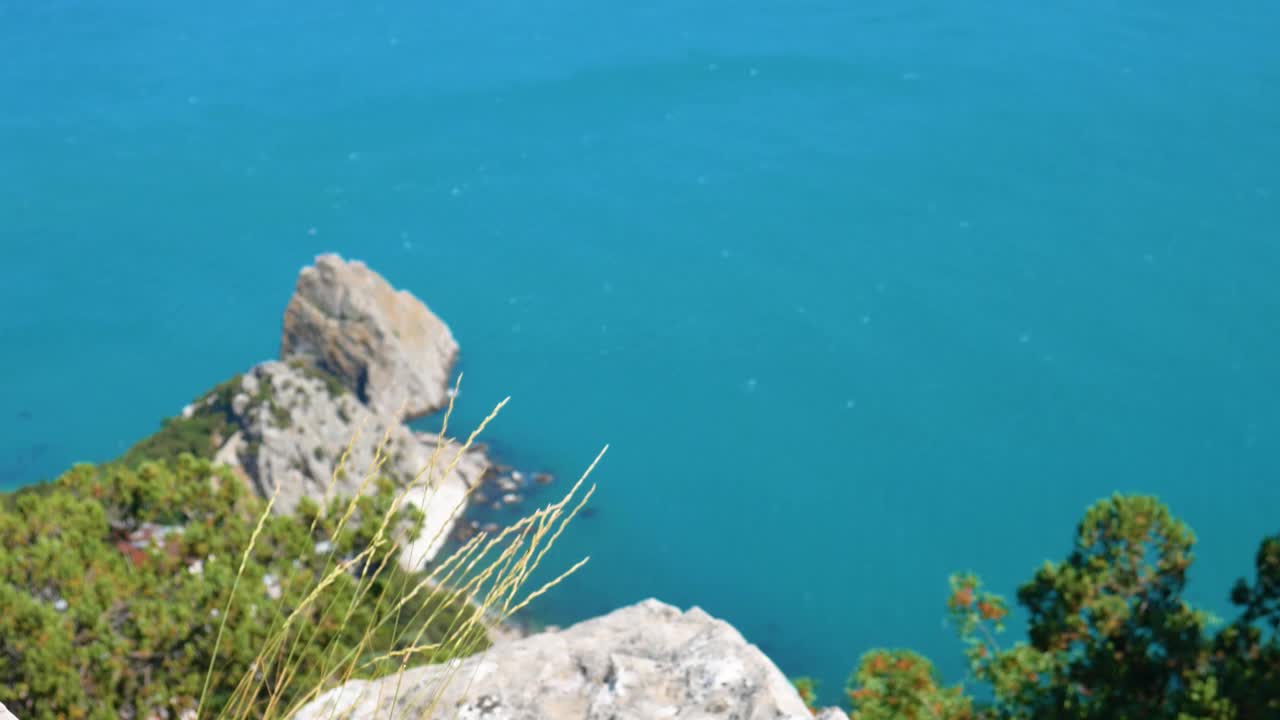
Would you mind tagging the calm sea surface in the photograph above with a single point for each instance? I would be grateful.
(860, 293)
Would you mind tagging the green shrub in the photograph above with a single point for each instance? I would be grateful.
(94, 627)
(1109, 636)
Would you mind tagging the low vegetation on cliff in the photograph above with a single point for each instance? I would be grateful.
(114, 580)
(167, 589)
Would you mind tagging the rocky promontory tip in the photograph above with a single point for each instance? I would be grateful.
(382, 343)
(357, 359)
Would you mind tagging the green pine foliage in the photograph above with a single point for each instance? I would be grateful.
(808, 689)
(1248, 650)
(902, 684)
(113, 580)
(1109, 636)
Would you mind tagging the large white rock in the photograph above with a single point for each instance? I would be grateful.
(292, 427)
(643, 662)
(5, 714)
(384, 344)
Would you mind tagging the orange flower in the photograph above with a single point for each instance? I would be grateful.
(962, 597)
(904, 664)
(990, 611)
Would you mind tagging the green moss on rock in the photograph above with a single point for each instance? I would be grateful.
(332, 384)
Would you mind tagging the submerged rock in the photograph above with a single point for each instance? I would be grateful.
(381, 343)
(292, 427)
(645, 661)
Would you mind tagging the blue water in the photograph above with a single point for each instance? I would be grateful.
(859, 293)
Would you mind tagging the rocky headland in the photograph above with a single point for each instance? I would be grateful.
(358, 360)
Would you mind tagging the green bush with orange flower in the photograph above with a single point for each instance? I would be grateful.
(1109, 635)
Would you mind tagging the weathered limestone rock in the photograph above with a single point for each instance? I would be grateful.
(642, 662)
(383, 344)
(5, 714)
(292, 425)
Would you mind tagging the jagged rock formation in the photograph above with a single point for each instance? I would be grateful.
(382, 343)
(290, 426)
(354, 353)
(642, 662)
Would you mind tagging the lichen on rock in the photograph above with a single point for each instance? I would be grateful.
(384, 344)
(646, 661)
(291, 432)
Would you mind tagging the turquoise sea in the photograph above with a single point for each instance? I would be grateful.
(859, 293)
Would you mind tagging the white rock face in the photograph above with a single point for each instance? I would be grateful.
(383, 343)
(642, 662)
(5, 714)
(293, 427)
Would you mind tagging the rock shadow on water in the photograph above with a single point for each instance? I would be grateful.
(506, 495)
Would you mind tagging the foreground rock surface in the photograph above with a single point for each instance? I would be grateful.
(642, 662)
(292, 426)
(5, 714)
(382, 343)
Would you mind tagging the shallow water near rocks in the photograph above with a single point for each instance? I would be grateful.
(858, 294)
